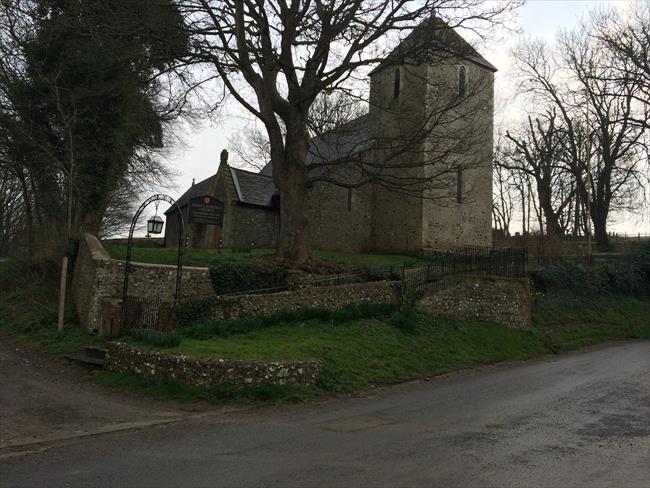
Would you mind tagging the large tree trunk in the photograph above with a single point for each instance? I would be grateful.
(599, 219)
(293, 242)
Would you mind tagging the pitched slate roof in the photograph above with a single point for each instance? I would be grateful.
(197, 190)
(343, 141)
(253, 188)
(435, 35)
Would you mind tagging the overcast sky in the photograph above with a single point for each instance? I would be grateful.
(198, 156)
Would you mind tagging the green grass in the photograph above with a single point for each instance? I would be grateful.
(360, 347)
(28, 310)
(223, 394)
(571, 322)
(208, 257)
(363, 353)
(192, 257)
(360, 353)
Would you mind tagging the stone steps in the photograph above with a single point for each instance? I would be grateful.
(89, 357)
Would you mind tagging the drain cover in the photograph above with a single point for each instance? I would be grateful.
(353, 423)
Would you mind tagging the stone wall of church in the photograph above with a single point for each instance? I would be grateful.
(255, 227)
(340, 220)
(448, 223)
(394, 121)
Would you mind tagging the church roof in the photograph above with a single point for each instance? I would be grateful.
(253, 188)
(196, 190)
(344, 141)
(436, 35)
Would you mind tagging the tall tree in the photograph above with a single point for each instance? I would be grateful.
(275, 57)
(598, 113)
(83, 103)
(537, 151)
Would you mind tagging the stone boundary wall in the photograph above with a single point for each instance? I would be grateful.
(157, 365)
(503, 300)
(97, 277)
(323, 297)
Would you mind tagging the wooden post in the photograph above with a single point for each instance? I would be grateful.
(62, 287)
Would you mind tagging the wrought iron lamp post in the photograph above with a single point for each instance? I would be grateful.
(154, 226)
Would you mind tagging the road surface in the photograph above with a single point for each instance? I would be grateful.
(582, 419)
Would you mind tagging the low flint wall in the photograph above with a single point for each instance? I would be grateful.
(503, 300)
(323, 297)
(156, 365)
(97, 277)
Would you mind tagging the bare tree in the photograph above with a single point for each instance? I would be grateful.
(628, 40)
(602, 142)
(536, 150)
(275, 58)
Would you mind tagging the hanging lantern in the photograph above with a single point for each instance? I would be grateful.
(155, 223)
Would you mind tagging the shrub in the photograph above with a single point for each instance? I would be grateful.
(626, 276)
(245, 276)
(193, 311)
(562, 276)
(155, 338)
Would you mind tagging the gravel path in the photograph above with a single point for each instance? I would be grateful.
(43, 399)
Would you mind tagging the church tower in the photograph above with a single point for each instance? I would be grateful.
(431, 118)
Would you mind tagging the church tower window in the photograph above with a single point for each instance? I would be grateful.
(462, 80)
(460, 185)
(396, 85)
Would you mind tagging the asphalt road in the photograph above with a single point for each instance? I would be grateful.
(581, 419)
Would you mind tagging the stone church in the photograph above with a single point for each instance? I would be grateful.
(424, 148)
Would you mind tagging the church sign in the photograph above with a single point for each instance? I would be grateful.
(206, 210)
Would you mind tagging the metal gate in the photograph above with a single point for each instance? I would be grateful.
(141, 313)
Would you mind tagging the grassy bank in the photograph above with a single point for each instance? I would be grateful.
(360, 348)
(570, 322)
(359, 354)
(29, 310)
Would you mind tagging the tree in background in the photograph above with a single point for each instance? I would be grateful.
(600, 120)
(82, 106)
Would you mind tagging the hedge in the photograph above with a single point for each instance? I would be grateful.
(244, 276)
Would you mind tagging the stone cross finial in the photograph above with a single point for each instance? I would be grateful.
(224, 156)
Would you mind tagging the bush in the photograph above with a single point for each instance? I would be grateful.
(244, 276)
(562, 276)
(624, 276)
(194, 311)
(641, 262)
(155, 338)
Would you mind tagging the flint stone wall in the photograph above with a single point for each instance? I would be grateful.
(157, 365)
(97, 277)
(323, 297)
(503, 300)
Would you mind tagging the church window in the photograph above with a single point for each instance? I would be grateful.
(462, 80)
(460, 185)
(396, 86)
